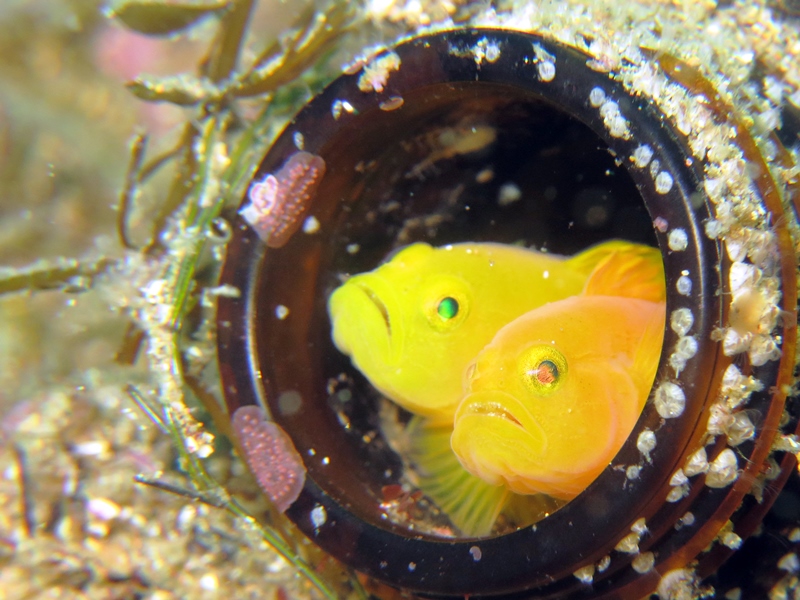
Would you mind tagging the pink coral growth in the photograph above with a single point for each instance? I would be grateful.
(278, 201)
(271, 456)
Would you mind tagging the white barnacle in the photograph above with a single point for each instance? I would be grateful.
(664, 182)
(677, 239)
(678, 584)
(585, 574)
(713, 229)
(740, 430)
(629, 544)
(681, 321)
(646, 443)
(633, 472)
(670, 401)
(644, 562)
(789, 562)
(678, 478)
(731, 540)
(642, 156)
(734, 342)
(686, 346)
(603, 563)
(719, 419)
(743, 275)
(596, 98)
(546, 71)
(763, 349)
(677, 362)
(376, 74)
(723, 470)
(684, 285)
(685, 521)
(697, 463)
(639, 526)
(677, 493)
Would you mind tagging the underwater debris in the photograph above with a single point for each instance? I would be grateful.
(271, 456)
(278, 201)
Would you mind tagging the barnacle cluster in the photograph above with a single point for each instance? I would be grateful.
(725, 76)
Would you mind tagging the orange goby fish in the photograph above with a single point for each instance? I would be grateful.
(551, 400)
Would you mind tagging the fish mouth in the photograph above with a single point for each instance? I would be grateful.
(376, 300)
(501, 405)
(490, 409)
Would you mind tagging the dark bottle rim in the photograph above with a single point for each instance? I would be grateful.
(543, 556)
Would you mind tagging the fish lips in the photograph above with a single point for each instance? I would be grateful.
(365, 305)
(491, 428)
(497, 404)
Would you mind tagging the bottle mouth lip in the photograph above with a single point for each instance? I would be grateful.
(545, 555)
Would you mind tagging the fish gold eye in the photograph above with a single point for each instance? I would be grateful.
(543, 369)
(445, 302)
(447, 308)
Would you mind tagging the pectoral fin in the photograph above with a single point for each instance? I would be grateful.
(471, 504)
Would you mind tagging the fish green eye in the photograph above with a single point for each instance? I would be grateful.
(447, 308)
(543, 369)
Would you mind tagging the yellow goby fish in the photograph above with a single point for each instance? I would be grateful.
(553, 397)
(413, 325)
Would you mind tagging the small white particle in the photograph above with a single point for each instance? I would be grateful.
(642, 156)
(281, 312)
(326, 460)
(318, 516)
(546, 274)
(596, 97)
(311, 225)
(684, 285)
(412, 566)
(670, 401)
(794, 535)
(476, 553)
(103, 509)
(663, 182)
(299, 140)
(678, 240)
(209, 582)
(508, 194)
(353, 248)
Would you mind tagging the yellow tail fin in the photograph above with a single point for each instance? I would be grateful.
(635, 271)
